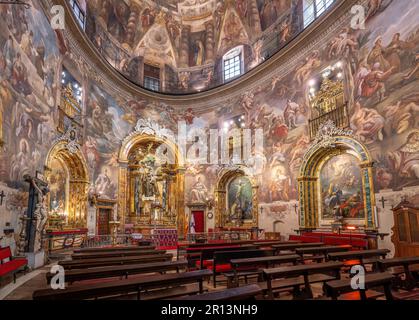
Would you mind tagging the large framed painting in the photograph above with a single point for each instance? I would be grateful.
(58, 188)
(240, 200)
(341, 188)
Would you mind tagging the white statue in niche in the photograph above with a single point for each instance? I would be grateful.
(199, 191)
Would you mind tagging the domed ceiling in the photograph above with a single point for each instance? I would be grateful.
(182, 43)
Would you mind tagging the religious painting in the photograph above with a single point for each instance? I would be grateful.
(240, 200)
(341, 188)
(57, 182)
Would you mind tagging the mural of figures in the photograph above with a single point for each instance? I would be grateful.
(240, 207)
(341, 188)
(28, 65)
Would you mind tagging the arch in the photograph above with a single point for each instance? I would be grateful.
(309, 178)
(225, 176)
(127, 147)
(78, 179)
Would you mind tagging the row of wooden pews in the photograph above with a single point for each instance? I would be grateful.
(162, 277)
(310, 263)
(274, 268)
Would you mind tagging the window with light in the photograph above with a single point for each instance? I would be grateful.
(313, 9)
(233, 64)
(78, 13)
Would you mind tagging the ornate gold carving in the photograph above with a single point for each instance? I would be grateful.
(329, 97)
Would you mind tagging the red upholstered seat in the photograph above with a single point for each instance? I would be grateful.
(12, 266)
(205, 263)
(221, 268)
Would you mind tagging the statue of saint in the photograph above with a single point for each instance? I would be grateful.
(199, 191)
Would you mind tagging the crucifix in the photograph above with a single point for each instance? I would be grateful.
(295, 208)
(2, 196)
(383, 201)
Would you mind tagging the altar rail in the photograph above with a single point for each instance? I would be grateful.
(106, 240)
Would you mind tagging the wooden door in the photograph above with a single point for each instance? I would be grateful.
(104, 216)
(406, 232)
(199, 218)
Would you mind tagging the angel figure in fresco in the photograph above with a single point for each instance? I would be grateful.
(311, 62)
(367, 123)
(395, 50)
(405, 161)
(290, 114)
(376, 56)
(403, 115)
(298, 152)
(285, 31)
(414, 73)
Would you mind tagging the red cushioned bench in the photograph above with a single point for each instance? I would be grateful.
(9, 264)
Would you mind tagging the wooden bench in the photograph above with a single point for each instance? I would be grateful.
(398, 266)
(112, 254)
(242, 293)
(13, 265)
(127, 286)
(256, 264)
(360, 256)
(113, 249)
(222, 260)
(302, 273)
(268, 244)
(335, 288)
(320, 253)
(72, 276)
(93, 263)
(294, 246)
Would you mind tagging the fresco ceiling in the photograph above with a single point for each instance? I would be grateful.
(188, 39)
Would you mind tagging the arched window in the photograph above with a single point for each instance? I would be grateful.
(233, 63)
(313, 9)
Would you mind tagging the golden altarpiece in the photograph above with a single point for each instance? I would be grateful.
(66, 169)
(151, 181)
(335, 181)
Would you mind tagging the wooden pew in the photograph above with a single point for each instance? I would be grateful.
(361, 256)
(321, 252)
(127, 286)
(112, 249)
(256, 264)
(302, 272)
(274, 243)
(72, 276)
(92, 263)
(398, 266)
(338, 287)
(222, 260)
(294, 246)
(242, 293)
(112, 254)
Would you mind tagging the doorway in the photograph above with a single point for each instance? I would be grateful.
(199, 218)
(104, 216)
